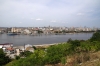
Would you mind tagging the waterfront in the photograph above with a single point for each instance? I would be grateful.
(20, 40)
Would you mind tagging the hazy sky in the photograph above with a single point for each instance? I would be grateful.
(31, 13)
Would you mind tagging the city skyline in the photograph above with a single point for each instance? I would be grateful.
(29, 13)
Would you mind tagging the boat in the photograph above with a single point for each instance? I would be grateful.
(12, 33)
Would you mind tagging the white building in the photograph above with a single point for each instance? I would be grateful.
(28, 45)
(27, 31)
(6, 45)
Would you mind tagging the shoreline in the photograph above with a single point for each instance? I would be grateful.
(46, 45)
(39, 46)
(42, 40)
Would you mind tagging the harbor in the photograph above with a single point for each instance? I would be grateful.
(20, 40)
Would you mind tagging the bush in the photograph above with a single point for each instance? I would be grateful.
(63, 60)
(58, 53)
(35, 59)
(25, 53)
(3, 58)
(95, 37)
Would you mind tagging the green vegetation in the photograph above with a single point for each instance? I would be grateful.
(25, 54)
(79, 49)
(34, 47)
(95, 37)
(40, 31)
(3, 58)
(35, 59)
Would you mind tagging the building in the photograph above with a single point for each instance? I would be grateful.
(26, 31)
(30, 49)
(6, 45)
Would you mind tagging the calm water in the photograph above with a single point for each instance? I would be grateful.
(45, 39)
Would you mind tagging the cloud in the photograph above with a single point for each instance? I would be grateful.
(53, 21)
(32, 18)
(62, 10)
(20, 22)
(39, 19)
(80, 14)
(23, 17)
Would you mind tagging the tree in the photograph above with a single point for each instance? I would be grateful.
(34, 47)
(75, 43)
(95, 37)
(69, 40)
(40, 31)
(3, 58)
(53, 55)
(56, 52)
(38, 58)
(63, 31)
(17, 57)
(25, 53)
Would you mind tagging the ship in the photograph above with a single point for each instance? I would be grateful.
(12, 33)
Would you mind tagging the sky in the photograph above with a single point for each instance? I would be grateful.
(39, 13)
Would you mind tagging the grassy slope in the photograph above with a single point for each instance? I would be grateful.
(94, 60)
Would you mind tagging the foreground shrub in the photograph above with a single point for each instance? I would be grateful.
(3, 58)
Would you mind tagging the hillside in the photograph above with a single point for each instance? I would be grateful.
(72, 53)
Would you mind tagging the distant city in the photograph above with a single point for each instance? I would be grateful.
(45, 30)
